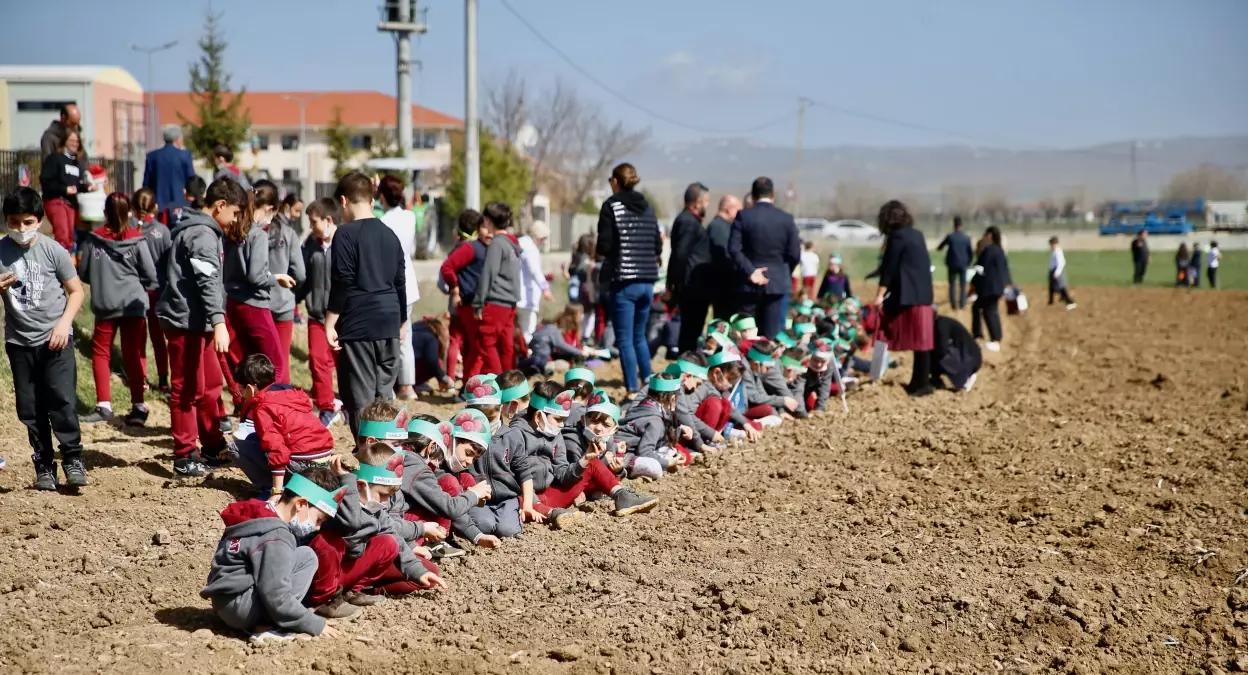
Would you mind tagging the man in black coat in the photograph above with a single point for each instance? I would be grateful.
(1139, 255)
(722, 269)
(54, 136)
(766, 247)
(688, 283)
(957, 261)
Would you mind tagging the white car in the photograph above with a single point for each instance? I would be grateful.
(851, 230)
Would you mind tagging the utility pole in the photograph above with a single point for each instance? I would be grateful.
(400, 17)
(153, 135)
(472, 142)
(802, 102)
(306, 192)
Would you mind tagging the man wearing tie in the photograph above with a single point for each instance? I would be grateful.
(765, 247)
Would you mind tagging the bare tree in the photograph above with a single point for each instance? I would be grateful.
(857, 199)
(505, 106)
(1206, 181)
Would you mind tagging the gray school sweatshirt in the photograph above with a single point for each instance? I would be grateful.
(358, 527)
(687, 404)
(120, 274)
(550, 458)
(644, 431)
(500, 274)
(421, 491)
(315, 289)
(284, 258)
(756, 392)
(193, 298)
(158, 244)
(505, 464)
(246, 269)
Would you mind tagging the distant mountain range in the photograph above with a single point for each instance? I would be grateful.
(1089, 174)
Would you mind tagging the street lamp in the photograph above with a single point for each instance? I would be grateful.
(152, 137)
(305, 195)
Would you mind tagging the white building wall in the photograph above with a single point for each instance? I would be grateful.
(276, 160)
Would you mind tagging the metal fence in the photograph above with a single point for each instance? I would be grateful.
(121, 172)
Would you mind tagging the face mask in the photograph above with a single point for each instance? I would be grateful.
(496, 425)
(453, 462)
(23, 238)
(371, 505)
(301, 529)
(590, 436)
(549, 429)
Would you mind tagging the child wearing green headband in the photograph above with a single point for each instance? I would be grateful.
(725, 372)
(650, 432)
(764, 405)
(744, 327)
(380, 423)
(482, 393)
(819, 378)
(793, 365)
(263, 568)
(436, 496)
(581, 382)
(514, 394)
(694, 391)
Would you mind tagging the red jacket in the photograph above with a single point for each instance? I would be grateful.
(287, 427)
(241, 512)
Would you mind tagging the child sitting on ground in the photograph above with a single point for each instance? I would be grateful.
(482, 393)
(690, 369)
(724, 372)
(580, 381)
(514, 393)
(819, 377)
(835, 284)
(763, 405)
(497, 466)
(445, 500)
(793, 363)
(744, 331)
(278, 432)
(649, 431)
(261, 569)
(550, 344)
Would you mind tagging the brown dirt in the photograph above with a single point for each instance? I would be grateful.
(1056, 518)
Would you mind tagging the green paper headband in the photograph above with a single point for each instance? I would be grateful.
(792, 363)
(659, 385)
(744, 323)
(607, 408)
(803, 310)
(515, 393)
(485, 393)
(582, 374)
(679, 368)
(721, 357)
(759, 357)
(376, 475)
(786, 340)
(553, 406)
(385, 431)
(478, 419)
(316, 495)
(835, 260)
(804, 328)
(720, 339)
(428, 430)
(788, 324)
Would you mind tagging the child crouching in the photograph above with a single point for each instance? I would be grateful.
(436, 485)
(649, 431)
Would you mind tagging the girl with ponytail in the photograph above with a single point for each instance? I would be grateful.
(117, 263)
(156, 234)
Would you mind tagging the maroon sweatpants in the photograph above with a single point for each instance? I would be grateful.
(62, 216)
(285, 333)
(322, 361)
(194, 392)
(133, 347)
(455, 347)
(157, 334)
(256, 334)
(469, 325)
(715, 412)
(393, 582)
(596, 478)
(498, 338)
(335, 571)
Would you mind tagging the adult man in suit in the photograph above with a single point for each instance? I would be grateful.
(688, 282)
(766, 247)
(167, 170)
(957, 261)
(722, 269)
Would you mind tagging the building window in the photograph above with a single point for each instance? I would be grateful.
(260, 142)
(290, 174)
(424, 140)
(42, 106)
(290, 141)
(361, 142)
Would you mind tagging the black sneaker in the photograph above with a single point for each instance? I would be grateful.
(227, 427)
(445, 551)
(45, 477)
(97, 416)
(188, 467)
(163, 385)
(75, 473)
(628, 501)
(215, 458)
(920, 392)
(136, 418)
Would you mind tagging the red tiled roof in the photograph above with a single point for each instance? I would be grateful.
(271, 109)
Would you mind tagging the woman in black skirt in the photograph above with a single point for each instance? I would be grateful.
(990, 285)
(905, 295)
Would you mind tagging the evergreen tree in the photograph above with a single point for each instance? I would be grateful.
(505, 176)
(338, 138)
(221, 117)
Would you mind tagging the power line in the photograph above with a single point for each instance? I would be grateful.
(625, 99)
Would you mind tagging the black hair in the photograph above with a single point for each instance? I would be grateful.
(322, 477)
(324, 208)
(762, 188)
(227, 190)
(265, 193)
(547, 389)
(420, 442)
(694, 192)
(22, 201)
(391, 190)
(224, 152)
(957, 222)
(1052, 240)
(994, 234)
(499, 215)
(894, 216)
(195, 188)
(470, 221)
(355, 187)
(694, 357)
(291, 199)
(796, 353)
(764, 346)
(256, 370)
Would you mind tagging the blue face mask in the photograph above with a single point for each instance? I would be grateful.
(303, 530)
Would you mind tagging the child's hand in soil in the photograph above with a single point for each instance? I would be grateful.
(489, 541)
(790, 403)
(530, 515)
(331, 629)
(431, 580)
(422, 552)
(434, 532)
(717, 438)
(752, 434)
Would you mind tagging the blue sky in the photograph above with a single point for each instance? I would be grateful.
(1022, 73)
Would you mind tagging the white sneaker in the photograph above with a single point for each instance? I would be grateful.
(770, 421)
(992, 346)
(1071, 306)
(273, 636)
(736, 435)
(970, 382)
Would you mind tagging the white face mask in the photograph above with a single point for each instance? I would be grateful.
(590, 436)
(371, 505)
(302, 530)
(454, 463)
(23, 238)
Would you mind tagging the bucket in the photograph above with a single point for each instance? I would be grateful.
(91, 206)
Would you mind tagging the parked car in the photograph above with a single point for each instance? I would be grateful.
(851, 230)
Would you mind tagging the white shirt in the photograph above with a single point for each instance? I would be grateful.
(1214, 256)
(532, 279)
(810, 264)
(1057, 262)
(403, 224)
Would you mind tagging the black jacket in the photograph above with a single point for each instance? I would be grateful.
(717, 235)
(906, 270)
(369, 284)
(955, 352)
(691, 255)
(765, 236)
(993, 281)
(59, 173)
(1139, 251)
(960, 253)
(629, 244)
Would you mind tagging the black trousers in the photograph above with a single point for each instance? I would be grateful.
(724, 305)
(986, 309)
(921, 374)
(768, 312)
(957, 288)
(1213, 277)
(1056, 288)
(1140, 269)
(367, 370)
(45, 384)
(693, 310)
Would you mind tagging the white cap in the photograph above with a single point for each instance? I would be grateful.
(539, 230)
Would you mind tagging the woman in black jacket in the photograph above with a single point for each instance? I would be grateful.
(905, 295)
(990, 285)
(629, 247)
(61, 179)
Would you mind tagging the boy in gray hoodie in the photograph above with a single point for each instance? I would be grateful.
(444, 505)
(285, 257)
(261, 570)
(192, 312)
(647, 430)
(498, 290)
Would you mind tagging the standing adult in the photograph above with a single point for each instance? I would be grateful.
(223, 158)
(905, 294)
(957, 260)
(367, 300)
(533, 288)
(403, 224)
(629, 245)
(55, 135)
(61, 179)
(990, 285)
(1139, 256)
(723, 295)
(766, 247)
(167, 170)
(687, 282)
